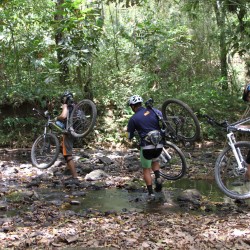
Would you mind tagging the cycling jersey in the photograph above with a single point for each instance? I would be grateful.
(143, 121)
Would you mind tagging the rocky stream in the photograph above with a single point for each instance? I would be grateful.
(108, 208)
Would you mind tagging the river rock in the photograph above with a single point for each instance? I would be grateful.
(96, 175)
(190, 196)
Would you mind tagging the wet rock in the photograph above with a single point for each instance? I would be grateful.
(96, 175)
(110, 212)
(79, 193)
(133, 186)
(189, 195)
(56, 202)
(105, 160)
(34, 183)
(72, 181)
(74, 202)
(190, 198)
(3, 206)
(58, 163)
(98, 185)
(83, 169)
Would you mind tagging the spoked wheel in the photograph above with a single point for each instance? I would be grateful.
(229, 178)
(83, 118)
(182, 120)
(172, 162)
(45, 151)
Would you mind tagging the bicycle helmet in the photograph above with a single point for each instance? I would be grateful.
(134, 100)
(246, 93)
(67, 97)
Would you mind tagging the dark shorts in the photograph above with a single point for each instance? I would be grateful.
(67, 144)
(248, 157)
(150, 154)
(152, 157)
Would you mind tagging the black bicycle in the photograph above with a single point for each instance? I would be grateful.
(183, 125)
(172, 160)
(46, 148)
(231, 166)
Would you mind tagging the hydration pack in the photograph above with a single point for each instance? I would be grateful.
(154, 137)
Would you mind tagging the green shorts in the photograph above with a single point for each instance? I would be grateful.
(144, 162)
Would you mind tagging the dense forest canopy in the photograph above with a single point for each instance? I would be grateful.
(106, 50)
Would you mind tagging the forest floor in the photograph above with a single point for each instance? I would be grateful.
(29, 221)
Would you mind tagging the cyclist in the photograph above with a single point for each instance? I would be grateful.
(144, 121)
(246, 98)
(68, 140)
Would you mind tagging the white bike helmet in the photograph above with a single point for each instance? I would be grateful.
(135, 99)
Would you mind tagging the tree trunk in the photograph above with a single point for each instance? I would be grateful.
(220, 12)
(59, 38)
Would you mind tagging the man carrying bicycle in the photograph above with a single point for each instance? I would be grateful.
(68, 139)
(146, 123)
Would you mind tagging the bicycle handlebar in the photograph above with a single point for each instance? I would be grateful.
(213, 122)
(233, 127)
(40, 113)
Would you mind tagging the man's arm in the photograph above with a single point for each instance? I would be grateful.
(64, 113)
(130, 129)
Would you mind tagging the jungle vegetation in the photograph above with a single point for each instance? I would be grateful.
(197, 51)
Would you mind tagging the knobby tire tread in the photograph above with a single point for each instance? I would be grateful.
(93, 118)
(183, 170)
(218, 167)
(34, 148)
(180, 103)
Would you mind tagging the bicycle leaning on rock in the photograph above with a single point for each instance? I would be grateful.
(80, 122)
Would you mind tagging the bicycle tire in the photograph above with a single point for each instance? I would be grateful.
(182, 120)
(228, 179)
(45, 151)
(175, 166)
(83, 118)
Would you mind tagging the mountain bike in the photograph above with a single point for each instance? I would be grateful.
(172, 160)
(231, 166)
(80, 122)
(183, 124)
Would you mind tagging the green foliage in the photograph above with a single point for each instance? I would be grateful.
(114, 49)
(17, 132)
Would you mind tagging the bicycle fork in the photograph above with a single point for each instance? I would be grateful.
(166, 156)
(237, 153)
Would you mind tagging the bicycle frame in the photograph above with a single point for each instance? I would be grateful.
(231, 128)
(237, 154)
(50, 123)
(168, 156)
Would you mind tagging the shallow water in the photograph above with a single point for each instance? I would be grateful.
(122, 200)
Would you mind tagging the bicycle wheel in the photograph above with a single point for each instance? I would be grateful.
(45, 151)
(227, 176)
(181, 119)
(83, 118)
(172, 162)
